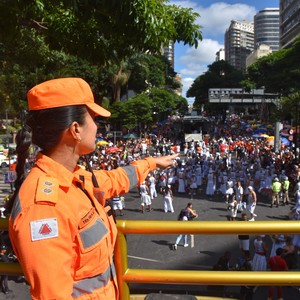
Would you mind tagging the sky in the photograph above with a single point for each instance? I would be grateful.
(215, 18)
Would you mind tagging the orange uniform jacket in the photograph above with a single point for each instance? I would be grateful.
(62, 236)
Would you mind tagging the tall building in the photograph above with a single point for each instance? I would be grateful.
(178, 91)
(168, 53)
(289, 22)
(260, 51)
(239, 43)
(266, 28)
(220, 55)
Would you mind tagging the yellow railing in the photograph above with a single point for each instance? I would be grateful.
(11, 268)
(126, 275)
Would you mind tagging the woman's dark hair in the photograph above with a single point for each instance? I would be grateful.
(166, 189)
(44, 129)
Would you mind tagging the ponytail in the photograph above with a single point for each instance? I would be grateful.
(23, 140)
(43, 129)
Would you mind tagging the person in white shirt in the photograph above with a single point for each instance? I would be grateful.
(152, 186)
(145, 197)
(239, 195)
(252, 202)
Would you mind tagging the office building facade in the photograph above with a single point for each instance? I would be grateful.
(266, 28)
(239, 43)
(168, 53)
(289, 22)
(259, 52)
(220, 55)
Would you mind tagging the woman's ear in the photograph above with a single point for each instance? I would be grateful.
(75, 131)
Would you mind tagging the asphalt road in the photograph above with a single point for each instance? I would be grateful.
(155, 252)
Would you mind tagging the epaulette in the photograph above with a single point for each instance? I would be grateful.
(47, 189)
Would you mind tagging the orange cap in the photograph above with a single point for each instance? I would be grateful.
(63, 92)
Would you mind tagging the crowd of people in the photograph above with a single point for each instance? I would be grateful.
(240, 168)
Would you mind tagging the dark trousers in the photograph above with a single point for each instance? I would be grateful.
(4, 285)
(246, 292)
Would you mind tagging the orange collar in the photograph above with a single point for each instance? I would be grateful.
(58, 171)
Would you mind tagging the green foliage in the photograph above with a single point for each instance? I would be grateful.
(147, 108)
(136, 111)
(101, 31)
(220, 74)
(95, 40)
(279, 72)
(186, 29)
(290, 107)
(162, 100)
(158, 67)
(181, 105)
(138, 66)
(148, 71)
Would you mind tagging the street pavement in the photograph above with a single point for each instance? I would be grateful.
(155, 252)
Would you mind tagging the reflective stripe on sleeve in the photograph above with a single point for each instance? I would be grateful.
(16, 208)
(89, 285)
(93, 234)
(131, 173)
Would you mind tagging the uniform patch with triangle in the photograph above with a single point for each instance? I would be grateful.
(44, 229)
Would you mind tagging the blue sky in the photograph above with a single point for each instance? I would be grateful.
(215, 18)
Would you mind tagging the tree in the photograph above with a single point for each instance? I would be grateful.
(31, 62)
(278, 72)
(102, 33)
(148, 71)
(182, 105)
(147, 108)
(136, 111)
(220, 74)
(290, 107)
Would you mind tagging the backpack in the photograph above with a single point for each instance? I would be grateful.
(183, 213)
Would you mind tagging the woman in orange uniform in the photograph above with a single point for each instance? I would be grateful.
(60, 228)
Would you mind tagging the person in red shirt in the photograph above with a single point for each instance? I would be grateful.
(277, 263)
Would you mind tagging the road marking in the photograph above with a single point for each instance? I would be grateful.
(160, 261)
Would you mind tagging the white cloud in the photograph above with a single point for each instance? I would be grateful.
(195, 61)
(216, 18)
(186, 83)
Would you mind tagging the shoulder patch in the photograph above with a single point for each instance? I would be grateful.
(47, 189)
(43, 229)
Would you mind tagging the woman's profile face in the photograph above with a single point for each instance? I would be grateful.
(88, 136)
